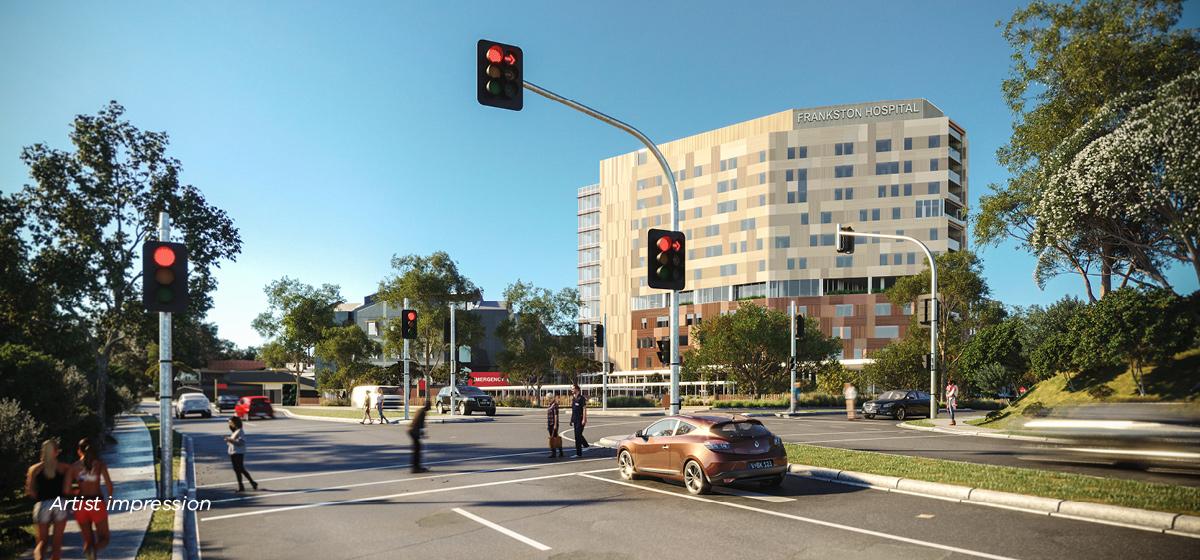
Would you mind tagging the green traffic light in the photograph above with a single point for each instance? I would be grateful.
(165, 295)
(664, 273)
(494, 87)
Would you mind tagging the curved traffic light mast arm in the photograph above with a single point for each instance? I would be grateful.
(933, 327)
(673, 318)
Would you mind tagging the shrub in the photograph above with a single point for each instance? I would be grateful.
(1035, 408)
(20, 438)
(630, 402)
(982, 404)
(516, 402)
(335, 401)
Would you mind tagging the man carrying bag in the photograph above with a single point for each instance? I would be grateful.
(552, 426)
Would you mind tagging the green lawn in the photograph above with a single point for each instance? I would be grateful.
(335, 412)
(924, 422)
(159, 536)
(1049, 484)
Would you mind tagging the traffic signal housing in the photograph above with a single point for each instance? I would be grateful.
(164, 276)
(598, 336)
(799, 320)
(845, 243)
(664, 351)
(500, 71)
(408, 324)
(665, 262)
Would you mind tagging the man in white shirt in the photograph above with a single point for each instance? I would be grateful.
(851, 395)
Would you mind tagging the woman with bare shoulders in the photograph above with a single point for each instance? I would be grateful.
(44, 483)
(92, 510)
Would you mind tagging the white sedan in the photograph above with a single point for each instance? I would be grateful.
(193, 403)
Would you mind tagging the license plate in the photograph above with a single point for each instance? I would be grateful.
(761, 464)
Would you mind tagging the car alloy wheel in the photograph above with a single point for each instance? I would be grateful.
(441, 408)
(462, 409)
(625, 465)
(901, 413)
(694, 479)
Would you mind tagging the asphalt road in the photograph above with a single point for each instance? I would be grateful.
(333, 490)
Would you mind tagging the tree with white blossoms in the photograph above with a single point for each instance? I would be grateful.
(1126, 187)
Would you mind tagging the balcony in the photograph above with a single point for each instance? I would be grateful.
(955, 177)
(955, 154)
(953, 244)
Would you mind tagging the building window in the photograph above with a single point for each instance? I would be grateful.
(843, 148)
(826, 217)
(875, 214)
(912, 258)
(727, 206)
(895, 190)
(843, 171)
(933, 234)
(762, 156)
(908, 166)
(635, 363)
(933, 164)
(827, 239)
(887, 167)
(712, 230)
(883, 309)
(843, 333)
(802, 263)
(783, 242)
(895, 213)
(849, 193)
(758, 244)
(887, 331)
(907, 309)
(935, 141)
(804, 219)
(837, 194)
(908, 189)
(372, 328)
(689, 193)
(791, 264)
(696, 274)
(762, 178)
(884, 145)
(682, 174)
(882, 191)
(935, 187)
(883, 258)
(897, 258)
(791, 154)
(747, 224)
(845, 261)
(862, 215)
(928, 209)
(762, 266)
(728, 269)
(908, 143)
(712, 251)
(697, 212)
(843, 310)
(698, 171)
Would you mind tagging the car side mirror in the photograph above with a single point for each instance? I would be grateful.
(639, 434)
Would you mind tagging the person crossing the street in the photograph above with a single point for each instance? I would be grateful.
(552, 426)
(951, 399)
(366, 419)
(379, 407)
(851, 394)
(578, 418)
(416, 430)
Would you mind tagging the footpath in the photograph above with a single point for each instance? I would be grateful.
(131, 464)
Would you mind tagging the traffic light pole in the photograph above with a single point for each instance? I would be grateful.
(933, 327)
(453, 362)
(407, 390)
(604, 365)
(673, 318)
(165, 385)
(792, 320)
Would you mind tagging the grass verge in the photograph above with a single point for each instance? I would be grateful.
(156, 545)
(1048, 484)
(924, 423)
(327, 412)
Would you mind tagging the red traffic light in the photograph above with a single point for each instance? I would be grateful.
(164, 256)
(495, 54)
(412, 315)
(510, 59)
(664, 243)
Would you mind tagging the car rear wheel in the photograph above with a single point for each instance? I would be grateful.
(694, 478)
(491, 412)
(441, 408)
(901, 413)
(625, 466)
(462, 409)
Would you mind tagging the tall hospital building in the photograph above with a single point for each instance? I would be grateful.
(759, 202)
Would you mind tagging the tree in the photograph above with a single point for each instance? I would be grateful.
(538, 334)
(751, 347)
(999, 344)
(430, 283)
(1133, 328)
(901, 364)
(992, 378)
(1070, 60)
(89, 210)
(295, 321)
(1050, 338)
(347, 348)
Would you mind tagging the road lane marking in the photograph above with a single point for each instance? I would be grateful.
(397, 495)
(872, 432)
(399, 466)
(810, 520)
(503, 530)
(394, 480)
(878, 438)
(752, 495)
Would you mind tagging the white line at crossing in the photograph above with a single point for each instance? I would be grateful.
(503, 530)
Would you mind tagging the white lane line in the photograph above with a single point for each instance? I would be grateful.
(503, 530)
(397, 495)
(752, 495)
(398, 466)
(394, 480)
(877, 438)
(830, 524)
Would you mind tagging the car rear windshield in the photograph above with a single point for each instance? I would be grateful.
(741, 429)
(892, 396)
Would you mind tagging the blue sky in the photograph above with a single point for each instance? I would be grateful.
(337, 134)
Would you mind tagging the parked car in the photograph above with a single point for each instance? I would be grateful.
(898, 404)
(702, 451)
(249, 407)
(468, 399)
(192, 403)
(226, 402)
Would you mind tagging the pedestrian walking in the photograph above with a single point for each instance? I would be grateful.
(416, 431)
(367, 409)
(851, 395)
(91, 512)
(951, 399)
(552, 426)
(236, 443)
(379, 407)
(579, 418)
(45, 482)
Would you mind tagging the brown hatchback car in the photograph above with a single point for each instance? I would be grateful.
(702, 451)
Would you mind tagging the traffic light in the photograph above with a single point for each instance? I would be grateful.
(845, 243)
(926, 313)
(164, 276)
(408, 324)
(799, 319)
(500, 75)
(665, 259)
(446, 330)
(664, 351)
(598, 336)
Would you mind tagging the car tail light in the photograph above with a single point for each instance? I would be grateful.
(717, 445)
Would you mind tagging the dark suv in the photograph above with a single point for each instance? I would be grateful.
(468, 399)
(226, 402)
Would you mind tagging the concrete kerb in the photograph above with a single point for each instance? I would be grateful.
(1156, 521)
(428, 419)
(186, 542)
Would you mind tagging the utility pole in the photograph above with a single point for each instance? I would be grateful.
(604, 364)
(165, 383)
(406, 381)
(453, 362)
(673, 317)
(792, 363)
(933, 328)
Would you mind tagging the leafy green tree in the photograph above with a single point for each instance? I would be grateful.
(995, 344)
(1070, 60)
(348, 348)
(751, 347)
(992, 378)
(901, 364)
(431, 283)
(295, 322)
(20, 435)
(539, 333)
(88, 211)
(1050, 338)
(1133, 328)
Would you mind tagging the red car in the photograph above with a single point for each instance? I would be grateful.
(705, 450)
(249, 407)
